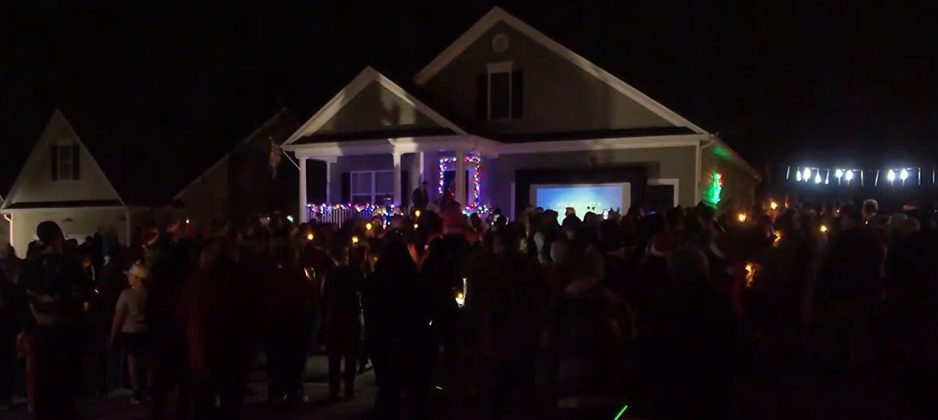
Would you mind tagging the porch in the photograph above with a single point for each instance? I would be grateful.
(365, 175)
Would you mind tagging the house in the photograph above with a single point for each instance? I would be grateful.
(5, 239)
(255, 177)
(507, 117)
(61, 181)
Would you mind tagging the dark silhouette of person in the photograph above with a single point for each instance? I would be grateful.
(342, 301)
(220, 313)
(397, 332)
(289, 303)
(420, 198)
(848, 288)
(57, 294)
(693, 342)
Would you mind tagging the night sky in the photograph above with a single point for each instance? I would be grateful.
(181, 84)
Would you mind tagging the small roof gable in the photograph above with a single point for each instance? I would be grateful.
(372, 106)
(274, 129)
(497, 15)
(34, 184)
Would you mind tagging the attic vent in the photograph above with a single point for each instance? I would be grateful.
(500, 42)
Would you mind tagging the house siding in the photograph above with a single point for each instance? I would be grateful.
(738, 184)
(35, 185)
(75, 223)
(558, 95)
(375, 109)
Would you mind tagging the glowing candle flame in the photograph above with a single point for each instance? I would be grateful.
(309, 236)
(742, 217)
(750, 273)
(823, 229)
(773, 205)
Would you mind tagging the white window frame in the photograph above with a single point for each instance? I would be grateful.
(374, 177)
(674, 182)
(68, 175)
(495, 68)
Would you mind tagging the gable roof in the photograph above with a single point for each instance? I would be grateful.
(498, 14)
(284, 116)
(350, 91)
(58, 127)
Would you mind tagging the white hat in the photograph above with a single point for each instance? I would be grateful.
(138, 270)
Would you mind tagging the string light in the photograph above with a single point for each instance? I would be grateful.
(823, 228)
(773, 205)
(742, 217)
(309, 236)
(712, 194)
(368, 226)
(354, 240)
(475, 162)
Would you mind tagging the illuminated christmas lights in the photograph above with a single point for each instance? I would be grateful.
(448, 163)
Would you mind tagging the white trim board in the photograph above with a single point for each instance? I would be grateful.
(689, 140)
(498, 14)
(355, 87)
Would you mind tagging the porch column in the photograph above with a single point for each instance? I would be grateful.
(303, 215)
(471, 187)
(422, 166)
(329, 163)
(396, 178)
(460, 195)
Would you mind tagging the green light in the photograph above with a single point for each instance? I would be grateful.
(621, 412)
(721, 152)
(712, 194)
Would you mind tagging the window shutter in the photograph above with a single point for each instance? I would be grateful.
(517, 94)
(346, 187)
(76, 160)
(55, 163)
(482, 97)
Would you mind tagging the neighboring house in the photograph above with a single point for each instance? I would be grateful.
(507, 117)
(255, 177)
(61, 181)
(5, 238)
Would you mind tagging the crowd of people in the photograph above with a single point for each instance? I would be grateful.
(660, 312)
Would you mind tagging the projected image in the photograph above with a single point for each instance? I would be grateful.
(582, 198)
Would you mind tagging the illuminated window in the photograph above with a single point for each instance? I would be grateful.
(66, 159)
(371, 187)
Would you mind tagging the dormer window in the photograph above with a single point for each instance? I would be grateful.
(501, 92)
(66, 161)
